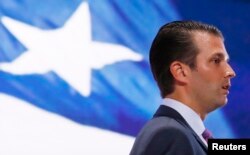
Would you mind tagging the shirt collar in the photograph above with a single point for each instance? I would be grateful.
(192, 118)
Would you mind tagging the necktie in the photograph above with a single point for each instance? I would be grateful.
(207, 135)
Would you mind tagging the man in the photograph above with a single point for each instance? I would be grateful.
(190, 65)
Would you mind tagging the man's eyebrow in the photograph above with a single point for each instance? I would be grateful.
(221, 56)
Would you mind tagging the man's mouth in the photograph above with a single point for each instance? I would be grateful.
(226, 87)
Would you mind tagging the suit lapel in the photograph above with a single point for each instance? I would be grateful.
(170, 112)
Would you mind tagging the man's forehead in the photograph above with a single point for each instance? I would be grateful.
(211, 43)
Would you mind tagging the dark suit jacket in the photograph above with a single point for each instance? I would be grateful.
(168, 134)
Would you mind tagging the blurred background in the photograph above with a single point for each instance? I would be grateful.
(75, 77)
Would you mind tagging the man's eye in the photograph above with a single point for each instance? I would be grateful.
(216, 61)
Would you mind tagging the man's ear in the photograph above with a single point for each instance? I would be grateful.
(179, 71)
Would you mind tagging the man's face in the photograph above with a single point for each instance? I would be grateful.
(210, 80)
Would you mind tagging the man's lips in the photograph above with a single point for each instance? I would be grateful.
(226, 87)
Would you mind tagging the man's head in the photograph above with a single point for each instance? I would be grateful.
(175, 58)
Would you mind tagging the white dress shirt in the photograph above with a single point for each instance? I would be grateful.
(191, 117)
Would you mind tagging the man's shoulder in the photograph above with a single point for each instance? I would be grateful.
(165, 123)
(162, 134)
(165, 127)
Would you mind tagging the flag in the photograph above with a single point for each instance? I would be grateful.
(87, 61)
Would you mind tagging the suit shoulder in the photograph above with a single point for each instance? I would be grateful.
(168, 127)
(161, 124)
(164, 129)
(164, 134)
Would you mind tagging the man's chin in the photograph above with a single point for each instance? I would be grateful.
(222, 102)
(218, 104)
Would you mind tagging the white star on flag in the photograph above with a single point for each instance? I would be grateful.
(68, 51)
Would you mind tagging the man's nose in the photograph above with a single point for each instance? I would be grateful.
(230, 73)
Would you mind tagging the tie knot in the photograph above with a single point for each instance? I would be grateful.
(207, 135)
